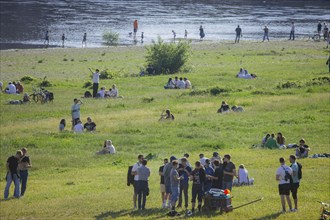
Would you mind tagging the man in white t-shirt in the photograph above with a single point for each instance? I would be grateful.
(136, 178)
(202, 159)
(283, 175)
(181, 84)
(96, 79)
(11, 88)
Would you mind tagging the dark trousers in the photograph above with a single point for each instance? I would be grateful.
(95, 88)
(292, 35)
(24, 176)
(142, 188)
(184, 190)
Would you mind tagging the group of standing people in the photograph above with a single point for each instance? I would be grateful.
(17, 172)
(63, 38)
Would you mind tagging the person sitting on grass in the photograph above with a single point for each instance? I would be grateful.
(11, 88)
(26, 98)
(62, 125)
(108, 148)
(187, 83)
(78, 128)
(224, 108)
(90, 125)
(237, 108)
(264, 140)
(167, 116)
(280, 140)
(303, 149)
(271, 142)
(101, 93)
(243, 177)
(113, 93)
(170, 84)
(175, 82)
(19, 88)
(181, 84)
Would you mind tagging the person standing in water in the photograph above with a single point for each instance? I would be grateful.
(201, 32)
(63, 39)
(292, 31)
(185, 33)
(46, 41)
(135, 27)
(84, 40)
(238, 31)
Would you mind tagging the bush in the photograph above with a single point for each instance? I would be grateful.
(167, 58)
(110, 38)
(27, 79)
(216, 91)
(88, 85)
(45, 83)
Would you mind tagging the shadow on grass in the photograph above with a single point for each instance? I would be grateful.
(270, 216)
(134, 213)
(154, 213)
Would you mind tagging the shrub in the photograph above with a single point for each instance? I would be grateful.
(27, 79)
(88, 85)
(110, 38)
(45, 83)
(216, 91)
(167, 58)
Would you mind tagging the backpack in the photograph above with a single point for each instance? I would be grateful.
(130, 177)
(87, 94)
(299, 170)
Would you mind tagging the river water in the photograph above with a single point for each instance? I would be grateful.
(25, 21)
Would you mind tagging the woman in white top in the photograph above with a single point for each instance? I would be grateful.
(243, 177)
(108, 148)
(78, 128)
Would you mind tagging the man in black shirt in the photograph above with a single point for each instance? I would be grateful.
(229, 172)
(12, 174)
(238, 31)
(218, 175)
(198, 178)
(24, 165)
(90, 125)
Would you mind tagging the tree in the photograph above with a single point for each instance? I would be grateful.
(110, 38)
(167, 58)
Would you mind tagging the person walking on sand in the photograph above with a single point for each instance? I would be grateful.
(63, 39)
(12, 174)
(201, 32)
(292, 31)
(135, 27)
(96, 80)
(23, 166)
(238, 31)
(174, 35)
(283, 175)
(266, 31)
(46, 41)
(84, 40)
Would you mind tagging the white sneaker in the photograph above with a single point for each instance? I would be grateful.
(294, 210)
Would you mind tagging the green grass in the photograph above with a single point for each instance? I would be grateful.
(68, 181)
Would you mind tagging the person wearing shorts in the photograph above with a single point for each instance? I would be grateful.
(162, 184)
(283, 175)
(198, 178)
(295, 181)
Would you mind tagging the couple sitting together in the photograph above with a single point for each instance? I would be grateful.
(112, 93)
(224, 108)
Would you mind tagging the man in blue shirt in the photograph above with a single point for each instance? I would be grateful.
(209, 171)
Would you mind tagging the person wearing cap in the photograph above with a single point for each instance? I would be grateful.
(229, 172)
(90, 125)
(75, 111)
(136, 166)
(184, 171)
(209, 171)
(23, 166)
(12, 174)
(167, 181)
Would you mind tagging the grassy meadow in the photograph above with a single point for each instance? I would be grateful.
(69, 181)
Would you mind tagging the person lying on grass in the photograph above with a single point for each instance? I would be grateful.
(108, 148)
(237, 108)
